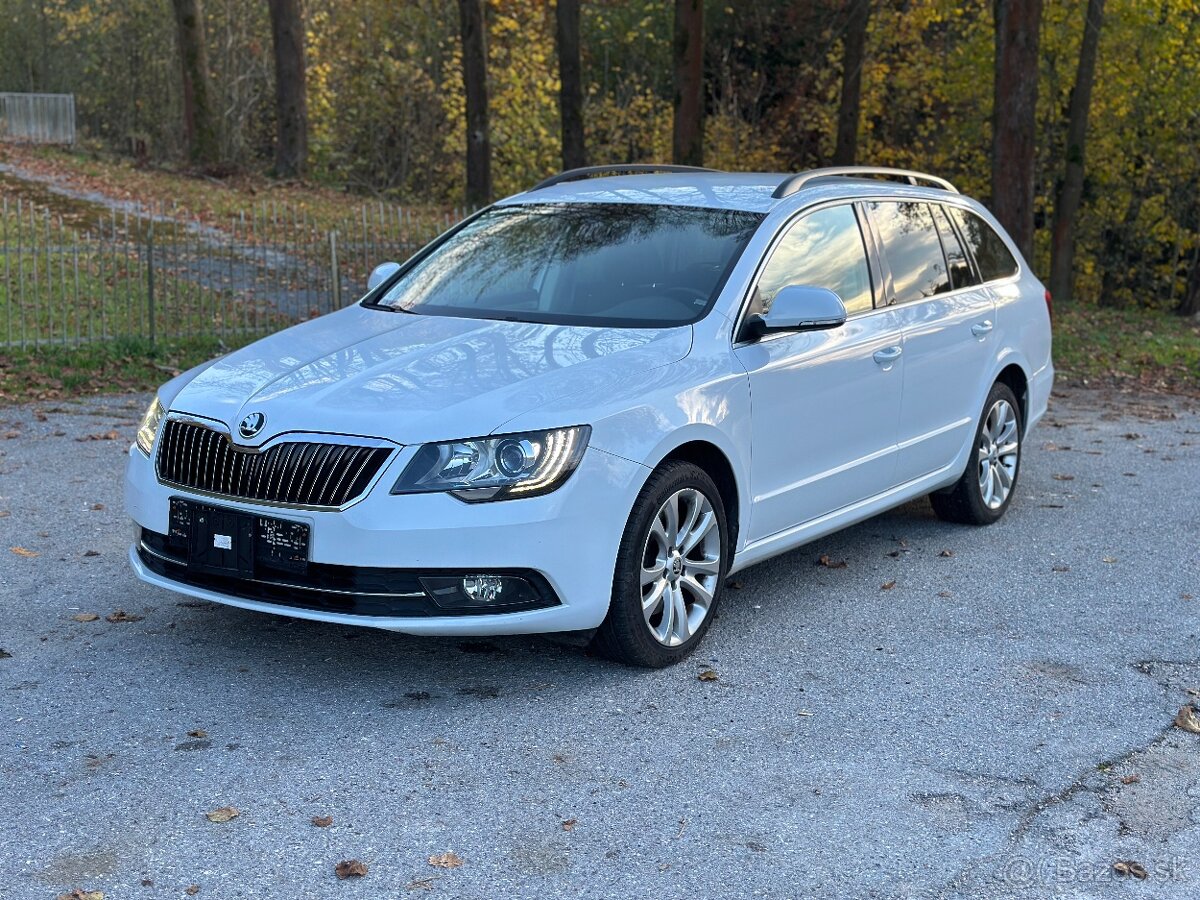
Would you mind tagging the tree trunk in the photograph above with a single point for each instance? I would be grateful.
(1070, 193)
(570, 94)
(199, 119)
(1014, 117)
(853, 53)
(1190, 304)
(479, 144)
(291, 112)
(688, 137)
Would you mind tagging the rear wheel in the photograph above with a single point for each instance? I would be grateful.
(671, 566)
(985, 489)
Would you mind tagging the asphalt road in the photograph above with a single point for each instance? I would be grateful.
(998, 723)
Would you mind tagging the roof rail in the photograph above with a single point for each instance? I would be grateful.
(792, 184)
(622, 169)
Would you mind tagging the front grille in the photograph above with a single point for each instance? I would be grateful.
(296, 473)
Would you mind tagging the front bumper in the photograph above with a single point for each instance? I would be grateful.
(565, 543)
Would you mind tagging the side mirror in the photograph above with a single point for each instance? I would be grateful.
(798, 307)
(382, 273)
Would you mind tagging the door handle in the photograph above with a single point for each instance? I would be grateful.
(979, 329)
(887, 355)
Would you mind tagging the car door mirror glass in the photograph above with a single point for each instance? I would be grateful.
(800, 307)
(382, 273)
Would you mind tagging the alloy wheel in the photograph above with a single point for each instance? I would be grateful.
(681, 562)
(999, 450)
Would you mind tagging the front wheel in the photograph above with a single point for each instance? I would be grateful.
(671, 567)
(986, 488)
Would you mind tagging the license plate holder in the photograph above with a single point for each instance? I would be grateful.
(223, 541)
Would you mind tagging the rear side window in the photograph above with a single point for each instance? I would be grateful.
(991, 255)
(961, 275)
(914, 252)
(825, 249)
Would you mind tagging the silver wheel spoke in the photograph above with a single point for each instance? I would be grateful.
(700, 594)
(650, 601)
(659, 572)
(682, 629)
(697, 532)
(702, 566)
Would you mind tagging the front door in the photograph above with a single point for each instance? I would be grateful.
(825, 404)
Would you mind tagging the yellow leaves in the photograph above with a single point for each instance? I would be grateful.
(447, 860)
(223, 814)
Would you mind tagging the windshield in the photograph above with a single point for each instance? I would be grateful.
(617, 264)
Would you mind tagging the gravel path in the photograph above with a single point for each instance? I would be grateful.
(996, 724)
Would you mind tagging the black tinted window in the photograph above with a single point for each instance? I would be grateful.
(913, 250)
(596, 264)
(825, 249)
(961, 275)
(991, 255)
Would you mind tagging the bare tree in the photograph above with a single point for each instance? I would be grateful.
(1018, 23)
(291, 106)
(199, 117)
(479, 144)
(1070, 192)
(570, 94)
(853, 56)
(688, 137)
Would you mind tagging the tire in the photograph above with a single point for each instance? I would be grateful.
(691, 580)
(973, 500)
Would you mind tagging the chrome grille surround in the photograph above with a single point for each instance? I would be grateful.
(319, 472)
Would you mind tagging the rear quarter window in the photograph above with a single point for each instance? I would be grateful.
(992, 256)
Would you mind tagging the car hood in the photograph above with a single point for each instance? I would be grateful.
(415, 378)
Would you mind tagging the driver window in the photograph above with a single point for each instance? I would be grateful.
(825, 249)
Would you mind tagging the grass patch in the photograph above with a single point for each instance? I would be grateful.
(1137, 348)
(123, 365)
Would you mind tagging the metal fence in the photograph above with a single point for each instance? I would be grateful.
(163, 273)
(37, 118)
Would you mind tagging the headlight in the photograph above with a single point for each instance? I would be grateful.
(496, 468)
(148, 430)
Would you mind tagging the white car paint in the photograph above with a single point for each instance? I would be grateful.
(817, 432)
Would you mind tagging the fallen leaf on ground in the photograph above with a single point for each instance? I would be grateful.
(1130, 867)
(944, 594)
(322, 821)
(121, 616)
(85, 617)
(828, 563)
(105, 436)
(1185, 597)
(1060, 569)
(81, 894)
(21, 551)
(350, 868)
(946, 553)
(1131, 779)
(420, 884)
(1063, 477)
(447, 860)
(91, 552)
(192, 890)
(888, 585)
(4, 514)
(96, 507)
(4, 654)
(1131, 435)
(1109, 559)
(197, 733)
(224, 814)
(1186, 719)
(734, 585)
(708, 675)
(569, 825)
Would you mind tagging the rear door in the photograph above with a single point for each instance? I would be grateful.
(824, 403)
(947, 318)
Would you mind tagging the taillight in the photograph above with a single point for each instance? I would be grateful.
(1049, 303)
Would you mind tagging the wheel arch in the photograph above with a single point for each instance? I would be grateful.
(707, 456)
(1017, 379)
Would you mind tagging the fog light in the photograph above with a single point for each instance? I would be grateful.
(479, 591)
